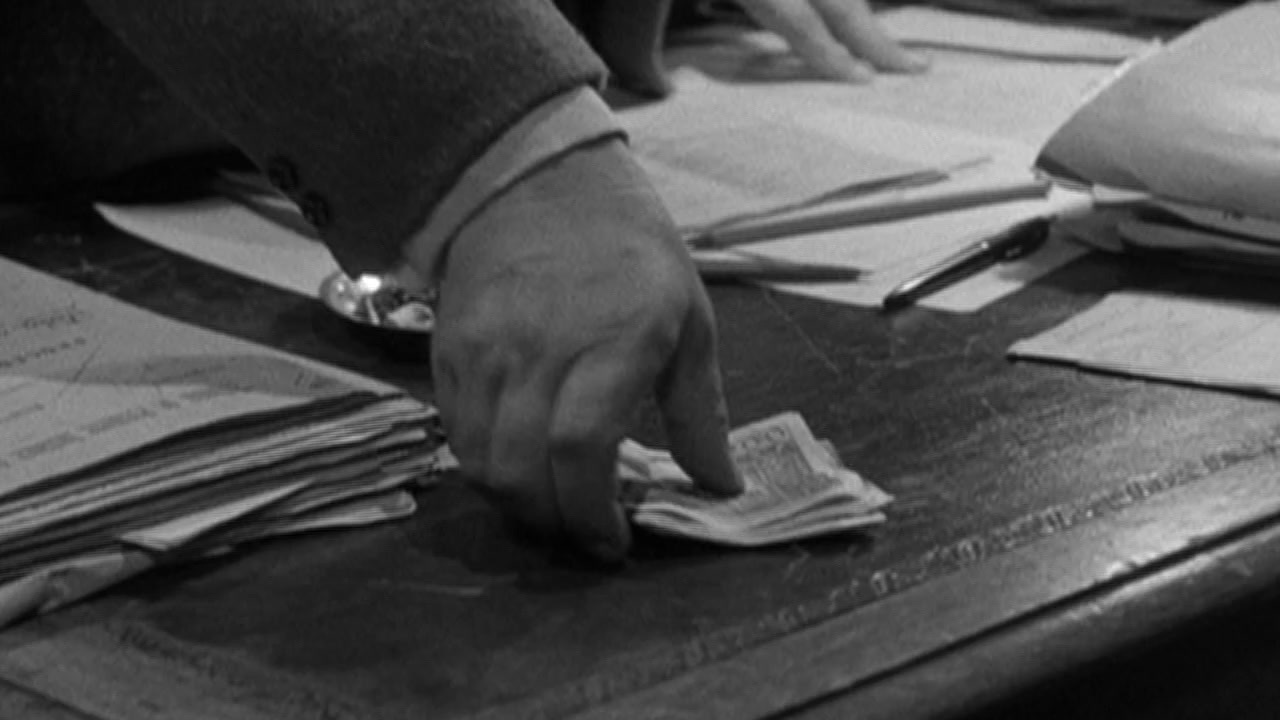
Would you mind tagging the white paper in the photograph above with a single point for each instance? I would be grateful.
(1198, 122)
(73, 579)
(1157, 235)
(892, 252)
(992, 96)
(65, 582)
(354, 512)
(1224, 221)
(929, 27)
(176, 532)
(325, 451)
(1210, 342)
(226, 234)
(1012, 104)
(84, 377)
(716, 152)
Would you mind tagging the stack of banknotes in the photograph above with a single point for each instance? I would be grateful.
(795, 487)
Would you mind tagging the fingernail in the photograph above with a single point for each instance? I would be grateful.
(917, 62)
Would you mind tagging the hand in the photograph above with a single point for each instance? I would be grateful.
(563, 304)
(841, 39)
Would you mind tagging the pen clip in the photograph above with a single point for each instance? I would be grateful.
(1029, 243)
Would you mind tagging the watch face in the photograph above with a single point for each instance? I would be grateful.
(382, 313)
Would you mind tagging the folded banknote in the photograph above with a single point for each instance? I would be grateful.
(795, 486)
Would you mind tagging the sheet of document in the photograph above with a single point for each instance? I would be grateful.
(84, 377)
(718, 151)
(995, 95)
(176, 532)
(986, 87)
(72, 579)
(891, 252)
(1196, 122)
(226, 234)
(128, 495)
(1199, 341)
(929, 27)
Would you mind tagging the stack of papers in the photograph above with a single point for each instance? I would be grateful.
(127, 438)
(1183, 148)
(720, 153)
(1193, 129)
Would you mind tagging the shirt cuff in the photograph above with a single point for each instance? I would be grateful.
(567, 121)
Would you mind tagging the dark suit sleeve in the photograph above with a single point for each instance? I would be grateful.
(364, 111)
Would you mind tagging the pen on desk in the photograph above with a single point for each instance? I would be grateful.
(722, 268)
(1014, 242)
(843, 215)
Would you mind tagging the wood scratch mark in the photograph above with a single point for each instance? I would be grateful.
(805, 337)
(991, 408)
(796, 563)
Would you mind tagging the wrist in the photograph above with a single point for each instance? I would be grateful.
(558, 126)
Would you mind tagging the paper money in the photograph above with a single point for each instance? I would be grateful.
(795, 487)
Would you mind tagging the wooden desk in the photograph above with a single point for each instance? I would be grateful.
(1045, 519)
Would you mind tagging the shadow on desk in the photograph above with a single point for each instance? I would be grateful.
(1222, 667)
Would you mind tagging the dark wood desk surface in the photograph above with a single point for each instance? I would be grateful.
(1046, 520)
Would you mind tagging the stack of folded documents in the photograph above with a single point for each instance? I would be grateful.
(1183, 149)
(127, 439)
(1190, 132)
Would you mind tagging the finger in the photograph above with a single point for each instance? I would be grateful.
(806, 33)
(593, 410)
(856, 27)
(468, 411)
(444, 384)
(693, 407)
(519, 468)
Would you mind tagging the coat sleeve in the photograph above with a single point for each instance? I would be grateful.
(364, 111)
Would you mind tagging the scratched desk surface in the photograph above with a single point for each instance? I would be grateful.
(1045, 518)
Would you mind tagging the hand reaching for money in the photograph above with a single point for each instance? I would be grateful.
(795, 487)
(566, 302)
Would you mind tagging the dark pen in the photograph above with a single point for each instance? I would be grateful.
(1014, 242)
